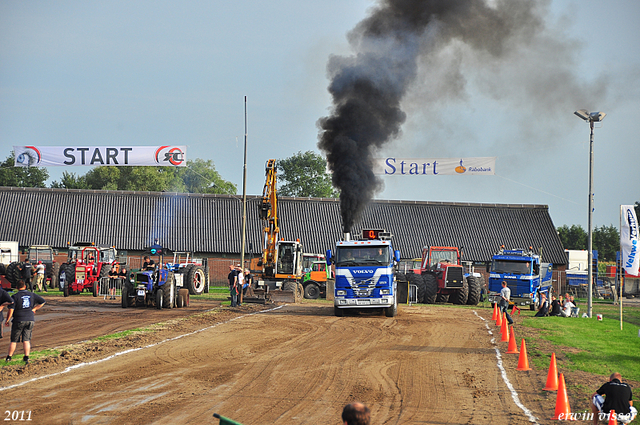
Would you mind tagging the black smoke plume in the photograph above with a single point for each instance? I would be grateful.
(368, 87)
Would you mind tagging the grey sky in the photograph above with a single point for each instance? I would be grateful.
(151, 73)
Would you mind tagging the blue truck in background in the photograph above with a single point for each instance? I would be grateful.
(526, 275)
(365, 273)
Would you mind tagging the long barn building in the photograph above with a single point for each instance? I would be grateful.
(210, 225)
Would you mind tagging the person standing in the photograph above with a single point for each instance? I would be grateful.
(618, 397)
(505, 296)
(240, 283)
(40, 277)
(5, 299)
(22, 311)
(233, 285)
(27, 274)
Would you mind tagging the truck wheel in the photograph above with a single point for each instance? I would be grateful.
(474, 290)
(442, 298)
(125, 297)
(289, 286)
(338, 312)
(417, 280)
(311, 291)
(55, 274)
(431, 288)
(169, 291)
(393, 310)
(196, 280)
(461, 295)
(159, 298)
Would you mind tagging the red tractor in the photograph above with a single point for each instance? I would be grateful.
(85, 268)
(444, 278)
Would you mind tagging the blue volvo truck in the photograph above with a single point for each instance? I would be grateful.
(525, 274)
(365, 273)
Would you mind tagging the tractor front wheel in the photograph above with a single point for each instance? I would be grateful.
(431, 285)
(159, 298)
(169, 291)
(125, 297)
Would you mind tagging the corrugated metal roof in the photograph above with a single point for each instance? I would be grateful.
(212, 223)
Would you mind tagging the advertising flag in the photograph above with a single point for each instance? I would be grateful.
(434, 166)
(629, 239)
(119, 156)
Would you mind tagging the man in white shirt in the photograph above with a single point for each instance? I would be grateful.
(40, 277)
(505, 296)
(240, 283)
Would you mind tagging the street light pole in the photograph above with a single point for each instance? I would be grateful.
(591, 117)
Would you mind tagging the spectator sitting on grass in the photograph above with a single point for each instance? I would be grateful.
(556, 306)
(543, 310)
(568, 307)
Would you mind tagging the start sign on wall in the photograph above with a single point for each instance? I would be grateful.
(65, 156)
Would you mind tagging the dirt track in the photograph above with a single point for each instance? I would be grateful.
(295, 365)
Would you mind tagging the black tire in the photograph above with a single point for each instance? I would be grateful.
(196, 279)
(474, 290)
(431, 288)
(311, 290)
(104, 272)
(401, 277)
(289, 285)
(125, 297)
(460, 296)
(536, 302)
(95, 288)
(417, 280)
(393, 310)
(180, 299)
(442, 298)
(55, 274)
(169, 291)
(69, 271)
(159, 298)
(338, 312)
(13, 273)
(3, 269)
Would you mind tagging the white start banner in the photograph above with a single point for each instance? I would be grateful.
(434, 166)
(629, 239)
(119, 156)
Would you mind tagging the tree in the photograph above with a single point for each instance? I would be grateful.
(305, 175)
(574, 237)
(198, 176)
(21, 176)
(606, 239)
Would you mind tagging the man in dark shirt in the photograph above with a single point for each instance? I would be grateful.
(233, 285)
(22, 311)
(618, 398)
(5, 299)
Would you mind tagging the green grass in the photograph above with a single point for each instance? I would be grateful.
(17, 357)
(590, 345)
(120, 334)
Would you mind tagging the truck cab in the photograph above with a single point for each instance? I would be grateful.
(365, 273)
(526, 276)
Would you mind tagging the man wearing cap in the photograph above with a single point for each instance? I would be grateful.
(40, 277)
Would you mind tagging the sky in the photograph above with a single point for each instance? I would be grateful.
(151, 73)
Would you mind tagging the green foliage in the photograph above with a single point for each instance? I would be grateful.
(305, 175)
(21, 176)
(606, 239)
(199, 176)
(574, 237)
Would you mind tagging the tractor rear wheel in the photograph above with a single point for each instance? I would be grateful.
(418, 281)
(431, 285)
(125, 297)
(55, 273)
(289, 285)
(442, 298)
(461, 295)
(169, 291)
(13, 273)
(474, 290)
(311, 290)
(159, 298)
(69, 271)
(196, 279)
(94, 288)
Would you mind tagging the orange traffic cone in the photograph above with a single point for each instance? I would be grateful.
(612, 418)
(513, 346)
(523, 360)
(505, 329)
(494, 317)
(562, 402)
(552, 376)
(499, 318)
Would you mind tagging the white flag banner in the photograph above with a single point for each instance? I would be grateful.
(629, 239)
(119, 156)
(434, 166)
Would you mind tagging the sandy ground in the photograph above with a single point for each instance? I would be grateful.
(297, 364)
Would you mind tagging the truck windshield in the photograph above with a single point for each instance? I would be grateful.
(39, 254)
(444, 257)
(361, 255)
(513, 267)
(108, 256)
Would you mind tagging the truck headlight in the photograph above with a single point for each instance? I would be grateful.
(341, 293)
(385, 292)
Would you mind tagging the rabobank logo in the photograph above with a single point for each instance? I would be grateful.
(633, 225)
(171, 154)
(461, 169)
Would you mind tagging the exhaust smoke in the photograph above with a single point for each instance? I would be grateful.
(389, 47)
